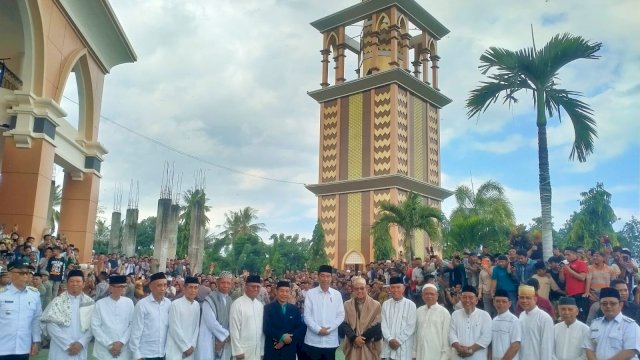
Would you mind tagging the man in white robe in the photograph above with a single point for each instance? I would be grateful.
(569, 332)
(537, 327)
(111, 322)
(398, 323)
(505, 329)
(213, 337)
(432, 327)
(67, 320)
(470, 331)
(245, 325)
(184, 322)
(151, 321)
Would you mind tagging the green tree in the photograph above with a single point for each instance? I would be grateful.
(287, 252)
(536, 71)
(190, 198)
(382, 245)
(317, 249)
(241, 222)
(214, 253)
(481, 217)
(145, 236)
(629, 236)
(594, 219)
(249, 253)
(411, 215)
(101, 237)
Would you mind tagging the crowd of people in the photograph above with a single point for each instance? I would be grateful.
(579, 304)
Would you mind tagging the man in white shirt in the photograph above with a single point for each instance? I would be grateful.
(537, 327)
(245, 322)
(70, 335)
(398, 323)
(323, 314)
(569, 332)
(432, 327)
(505, 329)
(111, 322)
(470, 332)
(213, 337)
(184, 322)
(151, 321)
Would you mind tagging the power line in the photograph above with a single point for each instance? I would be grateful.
(191, 156)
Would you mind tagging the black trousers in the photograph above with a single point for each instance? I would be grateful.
(316, 353)
(14, 357)
(583, 304)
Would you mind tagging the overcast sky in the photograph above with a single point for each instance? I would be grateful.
(225, 81)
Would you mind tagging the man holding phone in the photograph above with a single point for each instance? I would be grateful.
(574, 274)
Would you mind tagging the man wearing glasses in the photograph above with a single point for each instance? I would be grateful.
(111, 322)
(20, 312)
(613, 336)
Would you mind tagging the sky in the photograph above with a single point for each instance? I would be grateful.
(222, 85)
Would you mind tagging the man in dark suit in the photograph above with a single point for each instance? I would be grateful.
(282, 325)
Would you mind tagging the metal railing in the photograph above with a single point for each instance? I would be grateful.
(8, 79)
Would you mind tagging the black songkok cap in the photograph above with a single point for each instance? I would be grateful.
(191, 280)
(253, 279)
(501, 293)
(157, 276)
(117, 279)
(565, 300)
(539, 265)
(396, 280)
(325, 269)
(609, 292)
(73, 273)
(503, 257)
(469, 288)
(283, 283)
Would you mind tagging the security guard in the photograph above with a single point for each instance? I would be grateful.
(613, 335)
(20, 312)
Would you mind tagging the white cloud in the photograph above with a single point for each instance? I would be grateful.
(226, 81)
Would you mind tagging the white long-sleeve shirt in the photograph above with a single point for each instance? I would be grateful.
(111, 322)
(211, 330)
(505, 331)
(431, 340)
(399, 323)
(149, 328)
(63, 336)
(537, 335)
(323, 309)
(468, 329)
(245, 325)
(569, 341)
(184, 324)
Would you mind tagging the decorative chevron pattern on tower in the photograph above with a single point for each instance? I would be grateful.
(328, 219)
(434, 145)
(382, 131)
(329, 170)
(403, 133)
(380, 196)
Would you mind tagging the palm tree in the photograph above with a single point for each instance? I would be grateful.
(536, 71)
(411, 215)
(481, 217)
(190, 198)
(241, 222)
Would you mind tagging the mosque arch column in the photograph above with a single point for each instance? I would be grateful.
(27, 163)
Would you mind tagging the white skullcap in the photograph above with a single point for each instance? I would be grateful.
(429, 286)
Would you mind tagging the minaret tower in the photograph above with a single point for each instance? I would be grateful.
(380, 132)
